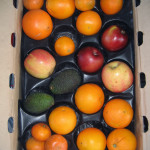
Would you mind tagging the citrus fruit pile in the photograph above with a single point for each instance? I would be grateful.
(69, 53)
(42, 139)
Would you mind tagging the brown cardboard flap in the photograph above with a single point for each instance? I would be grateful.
(143, 58)
(9, 64)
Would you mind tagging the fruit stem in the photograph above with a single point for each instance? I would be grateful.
(123, 32)
(114, 66)
(95, 53)
(114, 145)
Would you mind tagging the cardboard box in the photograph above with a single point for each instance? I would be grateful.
(10, 67)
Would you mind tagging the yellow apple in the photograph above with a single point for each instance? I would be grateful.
(117, 76)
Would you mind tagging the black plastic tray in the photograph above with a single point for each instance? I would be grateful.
(67, 27)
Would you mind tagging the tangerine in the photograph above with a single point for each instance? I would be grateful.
(84, 5)
(41, 131)
(88, 22)
(56, 142)
(91, 139)
(121, 139)
(33, 4)
(118, 113)
(111, 7)
(62, 120)
(33, 144)
(89, 98)
(37, 24)
(64, 46)
(60, 9)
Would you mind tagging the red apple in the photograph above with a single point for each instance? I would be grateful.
(40, 63)
(90, 59)
(114, 38)
(117, 76)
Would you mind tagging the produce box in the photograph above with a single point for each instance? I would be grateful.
(17, 84)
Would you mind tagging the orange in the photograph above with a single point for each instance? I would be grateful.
(64, 46)
(88, 22)
(121, 139)
(84, 5)
(33, 144)
(33, 4)
(56, 142)
(60, 9)
(37, 24)
(118, 113)
(62, 120)
(111, 7)
(41, 131)
(89, 98)
(91, 139)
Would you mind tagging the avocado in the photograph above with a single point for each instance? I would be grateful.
(38, 102)
(65, 82)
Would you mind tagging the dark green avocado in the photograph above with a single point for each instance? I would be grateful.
(65, 82)
(38, 102)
